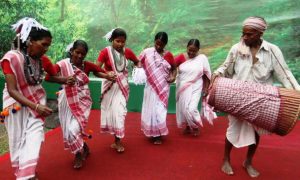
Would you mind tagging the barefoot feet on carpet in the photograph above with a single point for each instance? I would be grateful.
(78, 161)
(187, 130)
(226, 168)
(118, 147)
(157, 140)
(252, 172)
(86, 151)
(33, 178)
(196, 131)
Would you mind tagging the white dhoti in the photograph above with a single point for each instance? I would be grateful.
(240, 133)
(113, 112)
(154, 114)
(69, 125)
(25, 135)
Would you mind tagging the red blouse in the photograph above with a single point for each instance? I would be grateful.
(179, 59)
(170, 58)
(46, 63)
(88, 67)
(104, 58)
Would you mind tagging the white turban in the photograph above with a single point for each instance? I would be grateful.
(256, 23)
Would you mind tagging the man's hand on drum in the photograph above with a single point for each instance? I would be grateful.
(213, 78)
(206, 85)
(205, 92)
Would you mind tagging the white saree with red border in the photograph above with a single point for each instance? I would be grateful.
(156, 93)
(24, 127)
(114, 99)
(74, 105)
(189, 85)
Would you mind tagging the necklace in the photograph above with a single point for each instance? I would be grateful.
(33, 70)
(119, 61)
(75, 66)
(158, 59)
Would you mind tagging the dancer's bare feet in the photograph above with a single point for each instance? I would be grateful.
(86, 151)
(118, 147)
(33, 178)
(187, 130)
(250, 170)
(226, 168)
(196, 131)
(157, 140)
(78, 161)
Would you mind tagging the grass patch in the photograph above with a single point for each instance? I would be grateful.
(3, 140)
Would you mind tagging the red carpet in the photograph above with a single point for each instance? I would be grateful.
(179, 157)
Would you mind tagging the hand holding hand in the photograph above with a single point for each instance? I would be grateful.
(111, 76)
(170, 79)
(139, 64)
(71, 80)
(43, 110)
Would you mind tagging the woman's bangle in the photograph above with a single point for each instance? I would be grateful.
(36, 107)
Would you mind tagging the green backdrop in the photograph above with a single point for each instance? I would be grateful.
(135, 96)
(134, 102)
(217, 23)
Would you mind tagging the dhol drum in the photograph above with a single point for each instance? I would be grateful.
(272, 108)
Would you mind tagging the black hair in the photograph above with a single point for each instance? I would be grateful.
(76, 44)
(194, 42)
(163, 36)
(118, 32)
(35, 35)
(81, 43)
(38, 34)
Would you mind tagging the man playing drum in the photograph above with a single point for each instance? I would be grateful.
(252, 59)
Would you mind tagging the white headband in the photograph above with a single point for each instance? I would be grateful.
(24, 26)
(69, 47)
(109, 34)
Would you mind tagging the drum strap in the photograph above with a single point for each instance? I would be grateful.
(288, 77)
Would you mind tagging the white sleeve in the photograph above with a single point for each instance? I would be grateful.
(281, 70)
(227, 68)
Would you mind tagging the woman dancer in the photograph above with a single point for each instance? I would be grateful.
(24, 98)
(74, 101)
(193, 79)
(114, 95)
(160, 70)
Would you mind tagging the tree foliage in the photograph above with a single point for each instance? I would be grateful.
(13, 10)
(216, 23)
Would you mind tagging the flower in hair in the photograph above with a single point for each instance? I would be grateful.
(24, 26)
(108, 35)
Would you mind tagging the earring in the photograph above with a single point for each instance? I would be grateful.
(27, 42)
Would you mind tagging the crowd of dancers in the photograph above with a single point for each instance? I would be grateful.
(24, 100)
